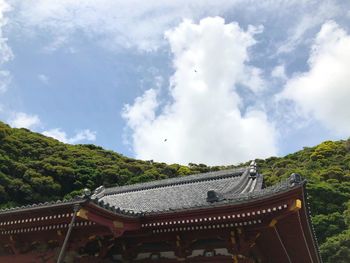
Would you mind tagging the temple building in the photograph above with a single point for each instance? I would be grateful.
(222, 216)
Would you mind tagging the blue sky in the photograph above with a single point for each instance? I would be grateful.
(215, 82)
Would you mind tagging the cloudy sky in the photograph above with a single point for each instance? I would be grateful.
(215, 82)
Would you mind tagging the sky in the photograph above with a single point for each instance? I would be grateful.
(215, 82)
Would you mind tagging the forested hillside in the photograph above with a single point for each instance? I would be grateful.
(35, 168)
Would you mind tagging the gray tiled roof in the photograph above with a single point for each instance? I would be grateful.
(234, 186)
(180, 193)
(46, 205)
(177, 180)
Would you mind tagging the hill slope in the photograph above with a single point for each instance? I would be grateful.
(35, 168)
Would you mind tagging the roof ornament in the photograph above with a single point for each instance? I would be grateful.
(295, 179)
(98, 193)
(213, 196)
(86, 192)
(253, 168)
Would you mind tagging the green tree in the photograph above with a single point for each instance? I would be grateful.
(336, 248)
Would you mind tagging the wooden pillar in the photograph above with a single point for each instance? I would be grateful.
(180, 250)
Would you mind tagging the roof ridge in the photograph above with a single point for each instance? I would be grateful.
(193, 178)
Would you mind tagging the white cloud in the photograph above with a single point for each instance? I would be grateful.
(132, 23)
(59, 134)
(24, 120)
(323, 91)
(202, 121)
(84, 135)
(143, 109)
(5, 51)
(43, 78)
(5, 80)
(141, 24)
(279, 72)
(313, 15)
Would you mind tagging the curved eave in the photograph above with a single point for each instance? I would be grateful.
(111, 211)
(41, 207)
(309, 226)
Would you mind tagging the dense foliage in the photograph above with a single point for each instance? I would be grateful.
(35, 168)
(327, 169)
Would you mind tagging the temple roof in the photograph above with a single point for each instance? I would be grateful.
(205, 190)
(182, 192)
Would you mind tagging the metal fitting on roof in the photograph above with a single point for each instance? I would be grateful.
(294, 179)
(252, 168)
(213, 196)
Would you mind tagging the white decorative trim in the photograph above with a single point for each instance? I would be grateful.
(241, 216)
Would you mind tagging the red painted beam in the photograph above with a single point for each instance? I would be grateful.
(116, 224)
